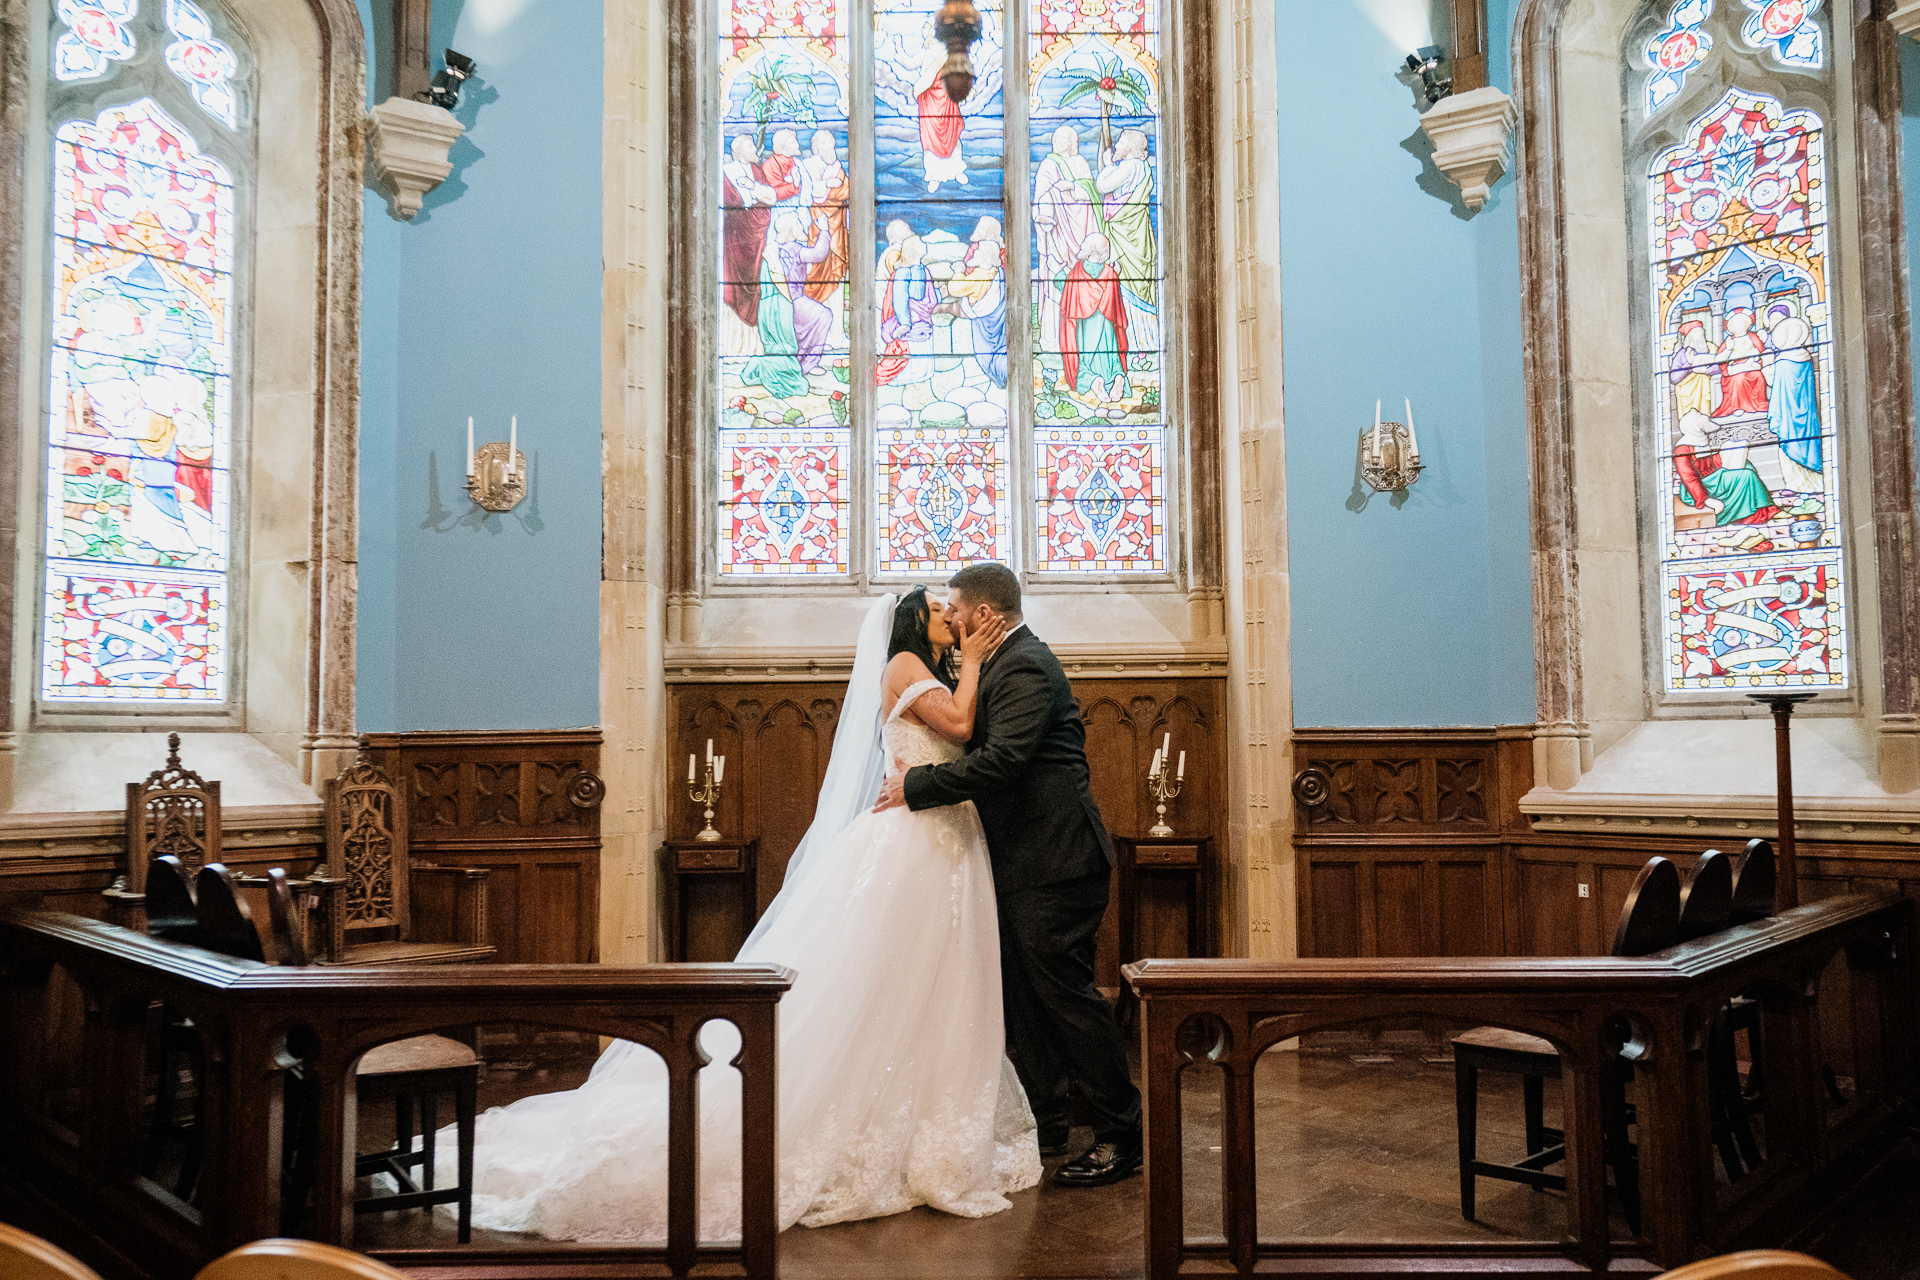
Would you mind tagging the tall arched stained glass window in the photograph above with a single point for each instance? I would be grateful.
(141, 358)
(1740, 316)
(888, 405)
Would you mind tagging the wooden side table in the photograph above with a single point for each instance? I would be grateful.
(1183, 863)
(710, 899)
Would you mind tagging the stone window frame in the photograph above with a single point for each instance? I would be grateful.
(299, 406)
(1561, 236)
(1191, 392)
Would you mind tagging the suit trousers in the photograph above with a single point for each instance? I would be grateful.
(1060, 1029)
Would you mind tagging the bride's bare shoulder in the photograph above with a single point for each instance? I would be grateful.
(904, 669)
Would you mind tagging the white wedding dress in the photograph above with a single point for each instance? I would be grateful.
(894, 1088)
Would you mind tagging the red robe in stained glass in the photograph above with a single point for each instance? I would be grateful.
(1082, 297)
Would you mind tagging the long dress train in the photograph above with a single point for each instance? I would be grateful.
(894, 1087)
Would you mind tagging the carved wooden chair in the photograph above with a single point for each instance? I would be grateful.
(1649, 921)
(364, 908)
(174, 813)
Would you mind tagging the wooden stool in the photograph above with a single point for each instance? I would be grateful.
(411, 1071)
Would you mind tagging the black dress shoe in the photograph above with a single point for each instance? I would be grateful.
(1108, 1161)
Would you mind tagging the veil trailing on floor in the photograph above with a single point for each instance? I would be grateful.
(857, 765)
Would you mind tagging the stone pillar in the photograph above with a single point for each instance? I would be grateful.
(633, 371)
(1260, 701)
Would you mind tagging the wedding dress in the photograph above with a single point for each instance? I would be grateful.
(894, 1086)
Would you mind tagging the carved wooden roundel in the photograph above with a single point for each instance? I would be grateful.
(586, 790)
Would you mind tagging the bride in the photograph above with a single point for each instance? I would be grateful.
(894, 1086)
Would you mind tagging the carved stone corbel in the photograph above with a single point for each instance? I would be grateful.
(1472, 135)
(408, 142)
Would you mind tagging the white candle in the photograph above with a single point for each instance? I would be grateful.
(1413, 445)
(469, 448)
(1153, 770)
(1183, 766)
(709, 750)
(719, 769)
(513, 445)
(689, 766)
(1376, 430)
(1166, 744)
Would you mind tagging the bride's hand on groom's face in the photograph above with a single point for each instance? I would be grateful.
(981, 639)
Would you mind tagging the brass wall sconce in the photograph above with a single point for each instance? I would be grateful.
(1389, 453)
(497, 472)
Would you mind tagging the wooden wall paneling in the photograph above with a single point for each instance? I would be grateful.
(501, 801)
(1405, 858)
(777, 739)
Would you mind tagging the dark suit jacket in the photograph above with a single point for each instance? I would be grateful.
(1026, 771)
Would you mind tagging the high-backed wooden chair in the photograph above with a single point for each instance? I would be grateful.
(364, 900)
(25, 1256)
(1753, 883)
(296, 1260)
(174, 813)
(1706, 896)
(1649, 921)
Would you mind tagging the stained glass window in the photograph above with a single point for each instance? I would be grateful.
(97, 35)
(1676, 49)
(919, 422)
(1787, 28)
(1750, 514)
(206, 65)
(139, 490)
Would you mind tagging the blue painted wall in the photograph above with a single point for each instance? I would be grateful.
(1417, 612)
(1910, 172)
(488, 303)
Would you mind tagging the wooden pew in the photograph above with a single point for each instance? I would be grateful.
(1232, 1011)
(245, 1012)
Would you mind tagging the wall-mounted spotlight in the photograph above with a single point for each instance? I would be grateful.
(1425, 63)
(445, 89)
(958, 26)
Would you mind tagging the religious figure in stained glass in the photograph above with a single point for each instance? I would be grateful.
(141, 389)
(1751, 521)
(933, 387)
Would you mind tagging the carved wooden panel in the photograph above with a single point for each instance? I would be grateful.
(505, 801)
(1405, 857)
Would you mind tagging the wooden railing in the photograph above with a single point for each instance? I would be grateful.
(1229, 1012)
(81, 1163)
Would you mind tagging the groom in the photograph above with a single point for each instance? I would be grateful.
(1026, 771)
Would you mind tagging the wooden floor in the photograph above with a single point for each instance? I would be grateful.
(1348, 1146)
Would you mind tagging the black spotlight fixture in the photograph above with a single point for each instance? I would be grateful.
(1425, 63)
(445, 89)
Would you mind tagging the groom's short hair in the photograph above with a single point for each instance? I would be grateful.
(993, 585)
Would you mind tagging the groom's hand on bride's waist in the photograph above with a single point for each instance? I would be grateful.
(893, 792)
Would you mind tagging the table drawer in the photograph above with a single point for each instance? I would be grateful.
(1166, 855)
(718, 858)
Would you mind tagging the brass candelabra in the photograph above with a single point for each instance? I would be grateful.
(1163, 784)
(707, 793)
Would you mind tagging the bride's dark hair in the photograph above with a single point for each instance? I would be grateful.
(910, 618)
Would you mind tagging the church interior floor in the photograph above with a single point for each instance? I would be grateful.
(1349, 1147)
